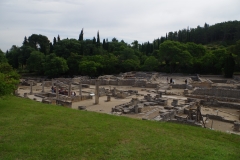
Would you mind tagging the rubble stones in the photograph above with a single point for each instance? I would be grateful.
(236, 126)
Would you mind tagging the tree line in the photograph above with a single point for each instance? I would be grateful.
(206, 50)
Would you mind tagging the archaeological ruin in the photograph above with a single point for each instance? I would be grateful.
(211, 102)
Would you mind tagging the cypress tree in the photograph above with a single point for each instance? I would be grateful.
(94, 40)
(98, 39)
(54, 41)
(104, 44)
(25, 42)
(81, 35)
(51, 47)
(58, 38)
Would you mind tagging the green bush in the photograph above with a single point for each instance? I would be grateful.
(9, 79)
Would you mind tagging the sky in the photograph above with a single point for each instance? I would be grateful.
(128, 20)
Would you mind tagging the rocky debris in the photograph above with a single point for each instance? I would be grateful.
(236, 126)
(82, 107)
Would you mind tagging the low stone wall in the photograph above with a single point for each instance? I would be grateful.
(186, 122)
(202, 85)
(218, 92)
(236, 77)
(151, 85)
(219, 80)
(166, 116)
(140, 83)
(64, 103)
(219, 118)
(126, 82)
(113, 82)
(220, 104)
(179, 86)
(86, 81)
(49, 101)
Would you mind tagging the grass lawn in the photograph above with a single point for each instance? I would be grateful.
(33, 130)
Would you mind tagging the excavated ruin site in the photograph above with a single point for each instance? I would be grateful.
(212, 102)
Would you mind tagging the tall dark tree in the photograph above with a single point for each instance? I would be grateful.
(81, 35)
(51, 47)
(94, 40)
(158, 43)
(54, 41)
(58, 38)
(229, 66)
(104, 44)
(25, 42)
(98, 39)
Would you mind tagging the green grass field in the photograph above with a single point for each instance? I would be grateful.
(32, 130)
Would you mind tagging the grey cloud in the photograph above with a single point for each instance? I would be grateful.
(140, 20)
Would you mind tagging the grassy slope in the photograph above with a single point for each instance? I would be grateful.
(32, 130)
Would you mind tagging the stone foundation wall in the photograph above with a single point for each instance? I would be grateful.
(202, 85)
(126, 82)
(168, 115)
(140, 83)
(236, 78)
(113, 82)
(220, 104)
(151, 85)
(219, 80)
(185, 122)
(179, 86)
(64, 103)
(230, 93)
(219, 118)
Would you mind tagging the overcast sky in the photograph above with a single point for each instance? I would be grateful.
(128, 20)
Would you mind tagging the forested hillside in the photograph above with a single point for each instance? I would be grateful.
(205, 50)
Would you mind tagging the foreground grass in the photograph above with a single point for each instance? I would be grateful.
(32, 130)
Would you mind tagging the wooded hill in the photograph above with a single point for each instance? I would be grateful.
(205, 50)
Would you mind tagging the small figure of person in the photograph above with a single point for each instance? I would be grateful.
(52, 89)
(171, 80)
(185, 81)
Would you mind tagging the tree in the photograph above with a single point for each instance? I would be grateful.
(3, 58)
(25, 42)
(13, 56)
(55, 66)
(135, 45)
(174, 54)
(98, 39)
(110, 63)
(150, 64)
(35, 62)
(58, 39)
(40, 43)
(130, 65)
(9, 79)
(51, 47)
(196, 50)
(73, 63)
(229, 66)
(67, 46)
(89, 68)
(54, 41)
(81, 35)
(25, 51)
